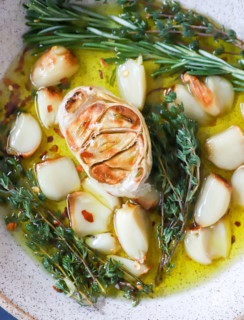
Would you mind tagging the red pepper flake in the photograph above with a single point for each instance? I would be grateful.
(56, 223)
(65, 214)
(50, 139)
(103, 63)
(43, 155)
(64, 83)
(100, 74)
(25, 101)
(79, 168)
(1, 92)
(59, 132)
(56, 289)
(11, 226)
(153, 223)
(7, 82)
(49, 108)
(237, 223)
(233, 239)
(28, 85)
(54, 148)
(16, 86)
(87, 216)
(21, 62)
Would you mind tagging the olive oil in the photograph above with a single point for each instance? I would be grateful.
(93, 71)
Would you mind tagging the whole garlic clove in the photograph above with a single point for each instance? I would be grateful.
(48, 101)
(226, 149)
(196, 245)
(25, 136)
(105, 243)
(57, 177)
(96, 189)
(237, 181)
(149, 200)
(53, 66)
(192, 107)
(223, 94)
(132, 229)
(220, 239)
(213, 201)
(88, 216)
(131, 80)
(134, 267)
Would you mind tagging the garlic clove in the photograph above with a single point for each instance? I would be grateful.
(57, 177)
(53, 66)
(105, 243)
(131, 79)
(237, 181)
(213, 201)
(88, 216)
(149, 200)
(134, 267)
(223, 94)
(48, 102)
(25, 136)
(132, 229)
(220, 239)
(96, 189)
(192, 108)
(226, 149)
(196, 244)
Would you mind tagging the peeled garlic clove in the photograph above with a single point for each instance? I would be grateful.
(192, 108)
(237, 181)
(25, 136)
(57, 177)
(48, 102)
(213, 201)
(88, 216)
(53, 66)
(223, 94)
(134, 267)
(109, 138)
(132, 229)
(220, 239)
(226, 149)
(196, 245)
(96, 189)
(149, 200)
(131, 80)
(105, 243)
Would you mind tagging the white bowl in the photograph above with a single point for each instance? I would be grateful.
(24, 284)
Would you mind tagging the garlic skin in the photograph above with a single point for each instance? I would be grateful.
(149, 200)
(213, 201)
(47, 104)
(134, 267)
(105, 243)
(192, 108)
(131, 80)
(109, 138)
(57, 177)
(223, 94)
(97, 190)
(204, 245)
(226, 149)
(88, 216)
(25, 137)
(53, 66)
(237, 181)
(132, 229)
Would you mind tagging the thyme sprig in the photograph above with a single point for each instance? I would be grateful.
(167, 34)
(176, 171)
(79, 271)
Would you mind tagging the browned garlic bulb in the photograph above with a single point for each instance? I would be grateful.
(109, 138)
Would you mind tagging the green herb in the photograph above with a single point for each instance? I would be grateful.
(176, 172)
(79, 271)
(172, 40)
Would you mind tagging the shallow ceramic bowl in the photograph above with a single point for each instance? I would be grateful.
(26, 290)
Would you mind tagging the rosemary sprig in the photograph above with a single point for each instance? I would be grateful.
(171, 40)
(79, 271)
(176, 170)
